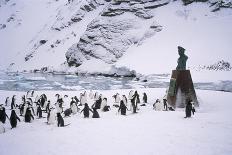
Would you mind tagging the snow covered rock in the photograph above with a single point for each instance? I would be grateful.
(121, 24)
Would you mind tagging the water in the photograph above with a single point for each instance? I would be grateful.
(48, 81)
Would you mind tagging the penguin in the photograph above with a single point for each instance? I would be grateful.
(122, 107)
(6, 101)
(48, 106)
(124, 99)
(116, 98)
(21, 109)
(76, 99)
(28, 115)
(86, 111)
(60, 120)
(95, 113)
(13, 102)
(103, 104)
(3, 115)
(39, 111)
(144, 98)
(51, 117)
(130, 98)
(188, 109)
(73, 106)
(13, 119)
(32, 93)
(165, 104)
(98, 102)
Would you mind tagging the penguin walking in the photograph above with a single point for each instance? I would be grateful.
(28, 115)
(13, 119)
(86, 111)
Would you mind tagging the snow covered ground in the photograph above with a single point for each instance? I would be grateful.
(148, 132)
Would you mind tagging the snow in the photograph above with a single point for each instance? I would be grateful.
(148, 132)
(204, 35)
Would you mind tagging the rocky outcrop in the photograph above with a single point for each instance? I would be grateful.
(121, 24)
(215, 5)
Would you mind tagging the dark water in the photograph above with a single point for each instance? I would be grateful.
(38, 81)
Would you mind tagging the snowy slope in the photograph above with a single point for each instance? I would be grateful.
(39, 34)
(148, 132)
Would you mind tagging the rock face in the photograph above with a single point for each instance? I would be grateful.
(121, 24)
(216, 5)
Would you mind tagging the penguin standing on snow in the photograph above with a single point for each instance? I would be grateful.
(73, 106)
(39, 111)
(51, 117)
(28, 115)
(86, 111)
(188, 109)
(60, 120)
(13, 102)
(144, 98)
(3, 115)
(6, 101)
(123, 108)
(13, 119)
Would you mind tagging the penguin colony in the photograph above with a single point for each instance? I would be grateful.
(32, 106)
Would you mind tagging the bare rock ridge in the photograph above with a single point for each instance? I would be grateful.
(119, 25)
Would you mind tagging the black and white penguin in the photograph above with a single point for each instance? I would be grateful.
(13, 119)
(188, 109)
(122, 108)
(39, 111)
(7, 101)
(98, 102)
(86, 111)
(73, 106)
(3, 115)
(48, 106)
(60, 120)
(28, 115)
(144, 98)
(51, 117)
(13, 102)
